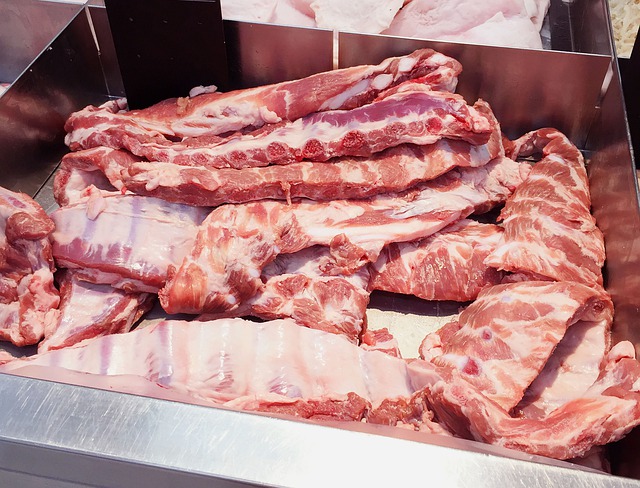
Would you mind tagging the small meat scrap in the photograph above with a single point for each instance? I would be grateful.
(90, 310)
(549, 232)
(502, 341)
(219, 113)
(449, 265)
(28, 297)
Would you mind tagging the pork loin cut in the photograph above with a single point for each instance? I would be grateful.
(502, 341)
(126, 241)
(392, 170)
(28, 297)
(448, 265)
(549, 232)
(89, 310)
(219, 113)
(272, 366)
(235, 242)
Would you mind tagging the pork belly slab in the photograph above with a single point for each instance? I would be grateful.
(126, 241)
(449, 265)
(272, 366)
(414, 115)
(28, 297)
(89, 310)
(218, 113)
(502, 341)
(235, 242)
(392, 170)
(606, 412)
(296, 287)
(559, 240)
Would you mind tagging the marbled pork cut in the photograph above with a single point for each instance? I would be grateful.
(28, 297)
(90, 310)
(235, 242)
(549, 231)
(448, 265)
(218, 113)
(501, 342)
(605, 413)
(392, 170)
(241, 364)
(413, 115)
(296, 287)
(126, 241)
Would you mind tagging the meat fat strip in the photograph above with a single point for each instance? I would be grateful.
(502, 341)
(448, 265)
(89, 310)
(392, 170)
(219, 113)
(126, 241)
(549, 230)
(28, 297)
(235, 242)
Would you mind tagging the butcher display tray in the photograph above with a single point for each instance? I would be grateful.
(81, 433)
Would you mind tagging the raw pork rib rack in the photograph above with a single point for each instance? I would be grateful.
(270, 215)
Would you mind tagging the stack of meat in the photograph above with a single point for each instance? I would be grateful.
(291, 203)
(511, 23)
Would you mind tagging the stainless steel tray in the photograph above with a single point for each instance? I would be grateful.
(83, 433)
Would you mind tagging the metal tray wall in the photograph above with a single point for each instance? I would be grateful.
(91, 427)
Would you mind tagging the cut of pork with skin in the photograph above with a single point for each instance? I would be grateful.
(502, 341)
(392, 170)
(296, 287)
(549, 231)
(412, 115)
(126, 241)
(241, 364)
(448, 265)
(235, 242)
(220, 113)
(572, 368)
(606, 412)
(89, 310)
(28, 297)
(365, 16)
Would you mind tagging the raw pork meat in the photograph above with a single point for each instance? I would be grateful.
(501, 342)
(549, 232)
(88, 310)
(366, 16)
(219, 113)
(607, 411)
(126, 241)
(392, 170)
(235, 242)
(272, 366)
(295, 286)
(28, 297)
(514, 23)
(410, 115)
(448, 265)
(572, 368)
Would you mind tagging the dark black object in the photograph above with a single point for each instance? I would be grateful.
(166, 47)
(630, 74)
